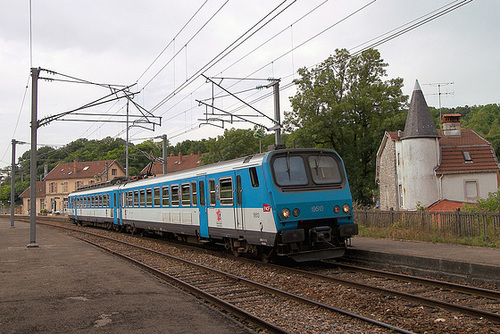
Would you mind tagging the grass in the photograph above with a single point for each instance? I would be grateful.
(397, 232)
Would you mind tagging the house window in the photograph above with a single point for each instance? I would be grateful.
(53, 187)
(65, 187)
(401, 197)
(78, 184)
(467, 157)
(113, 171)
(470, 190)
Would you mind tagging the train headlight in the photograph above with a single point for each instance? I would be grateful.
(346, 208)
(285, 213)
(336, 209)
(296, 212)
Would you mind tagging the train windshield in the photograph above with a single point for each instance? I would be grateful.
(307, 170)
(324, 169)
(290, 171)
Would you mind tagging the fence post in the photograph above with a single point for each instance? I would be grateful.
(457, 220)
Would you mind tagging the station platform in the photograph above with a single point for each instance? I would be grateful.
(68, 286)
(464, 263)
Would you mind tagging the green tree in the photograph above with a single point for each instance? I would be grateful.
(344, 104)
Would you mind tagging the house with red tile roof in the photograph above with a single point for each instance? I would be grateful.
(175, 163)
(67, 177)
(422, 166)
(40, 198)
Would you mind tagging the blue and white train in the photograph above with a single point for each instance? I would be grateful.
(292, 203)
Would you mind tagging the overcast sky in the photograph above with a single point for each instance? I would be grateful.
(117, 42)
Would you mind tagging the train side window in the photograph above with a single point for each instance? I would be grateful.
(136, 198)
(253, 177)
(142, 198)
(174, 195)
(157, 198)
(194, 193)
(165, 199)
(149, 197)
(212, 195)
(130, 199)
(100, 201)
(185, 194)
(202, 193)
(226, 191)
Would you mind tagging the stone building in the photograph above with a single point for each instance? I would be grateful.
(422, 166)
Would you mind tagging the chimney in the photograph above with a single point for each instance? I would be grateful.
(451, 125)
(45, 170)
(180, 156)
(74, 166)
(171, 153)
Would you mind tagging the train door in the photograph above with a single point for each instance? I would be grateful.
(203, 206)
(115, 202)
(238, 203)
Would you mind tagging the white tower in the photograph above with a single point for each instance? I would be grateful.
(420, 150)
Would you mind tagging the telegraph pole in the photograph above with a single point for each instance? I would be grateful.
(277, 117)
(35, 72)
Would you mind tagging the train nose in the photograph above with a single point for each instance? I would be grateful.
(321, 234)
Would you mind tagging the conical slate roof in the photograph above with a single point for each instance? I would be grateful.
(419, 122)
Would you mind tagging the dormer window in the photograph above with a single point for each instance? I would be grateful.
(467, 157)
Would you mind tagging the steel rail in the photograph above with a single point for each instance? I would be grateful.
(259, 322)
(241, 280)
(495, 317)
(427, 281)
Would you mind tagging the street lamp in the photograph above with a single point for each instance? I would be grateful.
(258, 135)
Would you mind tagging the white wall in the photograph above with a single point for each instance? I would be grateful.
(420, 158)
(453, 186)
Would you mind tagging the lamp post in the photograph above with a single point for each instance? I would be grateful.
(257, 134)
(12, 181)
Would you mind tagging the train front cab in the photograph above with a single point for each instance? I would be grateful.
(312, 204)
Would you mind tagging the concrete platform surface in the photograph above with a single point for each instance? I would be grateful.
(468, 263)
(68, 286)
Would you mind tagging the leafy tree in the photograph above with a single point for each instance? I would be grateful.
(344, 104)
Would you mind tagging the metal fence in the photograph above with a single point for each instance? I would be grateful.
(446, 224)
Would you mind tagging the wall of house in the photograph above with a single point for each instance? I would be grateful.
(420, 158)
(387, 177)
(461, 187)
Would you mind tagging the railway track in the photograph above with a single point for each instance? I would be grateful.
(419, 313)
(247, 299)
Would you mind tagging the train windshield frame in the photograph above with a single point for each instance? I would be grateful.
(304, 171)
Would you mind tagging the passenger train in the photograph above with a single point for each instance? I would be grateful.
(293, 203)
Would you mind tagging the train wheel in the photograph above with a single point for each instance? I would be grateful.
(266, 255)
